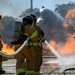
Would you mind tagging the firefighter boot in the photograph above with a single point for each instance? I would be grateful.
(2, 71)
(23, 73)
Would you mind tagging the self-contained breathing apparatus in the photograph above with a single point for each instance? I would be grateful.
(18, 37)
(19, 31)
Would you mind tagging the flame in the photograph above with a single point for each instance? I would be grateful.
(71, 14)
(69, 46)
(66, 48)
(6, 48)
(65, 25)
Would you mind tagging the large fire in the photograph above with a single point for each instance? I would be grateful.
(69, 46)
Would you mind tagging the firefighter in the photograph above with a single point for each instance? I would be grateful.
(1, 69)
(31, 52)
(38, 49)
(22, 65)
(17, 42)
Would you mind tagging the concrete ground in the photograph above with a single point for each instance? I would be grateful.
(9, 66)
(46, 69)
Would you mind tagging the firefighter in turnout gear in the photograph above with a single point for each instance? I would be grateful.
(34, 45)
(38, 49)
(24, 58)
(1, 70)
(17, 42)
(29, 58)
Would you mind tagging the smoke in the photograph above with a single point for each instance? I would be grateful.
(13, 7)
(7, 27)
(52, 25)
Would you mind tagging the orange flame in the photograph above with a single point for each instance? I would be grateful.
(7, 48)
(66, 48)
(70, 15)
(65, 25)
(69, 46)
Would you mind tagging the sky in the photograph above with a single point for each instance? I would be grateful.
(16, 7)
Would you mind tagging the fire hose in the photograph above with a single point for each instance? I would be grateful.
(64, 72)
(54, 51)
(16, 52)
(58, 56)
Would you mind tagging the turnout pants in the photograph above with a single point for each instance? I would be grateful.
(24, 61)
(29, 60)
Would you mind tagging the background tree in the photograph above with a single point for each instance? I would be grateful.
(27, 12)
(63, 8)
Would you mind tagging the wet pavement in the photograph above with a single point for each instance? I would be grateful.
(9, 66)
(46, 69)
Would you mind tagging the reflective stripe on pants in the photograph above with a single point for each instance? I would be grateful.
(36, 73)
(20, 70)
(29, 72)
(32, 73)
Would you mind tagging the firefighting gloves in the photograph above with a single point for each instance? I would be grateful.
(20, 41)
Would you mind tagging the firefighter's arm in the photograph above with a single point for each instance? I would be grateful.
(24, 37)
(42, 36)
(21, 40)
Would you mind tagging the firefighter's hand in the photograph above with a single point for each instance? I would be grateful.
(23, 37)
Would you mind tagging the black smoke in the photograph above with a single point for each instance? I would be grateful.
(7, 27)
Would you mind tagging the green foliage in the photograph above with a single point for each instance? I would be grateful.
(27, 12)
(63, 8)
